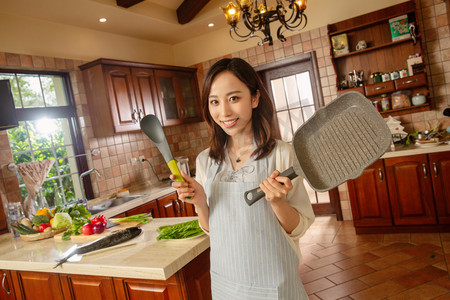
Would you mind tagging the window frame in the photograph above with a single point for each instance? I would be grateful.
(52, 112)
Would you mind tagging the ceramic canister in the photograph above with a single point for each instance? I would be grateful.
(385, 77)
(418, 99)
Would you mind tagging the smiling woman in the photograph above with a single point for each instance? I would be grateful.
(47, 129)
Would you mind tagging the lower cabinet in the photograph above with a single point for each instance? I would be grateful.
(403, 193)
(7, 291)
(193, 282)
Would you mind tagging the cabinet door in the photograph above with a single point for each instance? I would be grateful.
(410, 190)
(197, 277)
(6, 291)
(87, 287)
(122, 101)
(149, 207)
(3, 222)
(178, 97)
(440, 174)
(137, 289)
(369, 197)
(145, 91)
(36, 285)
(170, 207)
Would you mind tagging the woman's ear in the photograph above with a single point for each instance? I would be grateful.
(255, 99)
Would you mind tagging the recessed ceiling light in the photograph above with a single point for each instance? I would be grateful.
(102, 20)
(211, 25)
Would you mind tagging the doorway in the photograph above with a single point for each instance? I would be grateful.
(294, 85)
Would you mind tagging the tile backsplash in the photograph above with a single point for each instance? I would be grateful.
(117, 151)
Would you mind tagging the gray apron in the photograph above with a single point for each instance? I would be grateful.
(250, 255)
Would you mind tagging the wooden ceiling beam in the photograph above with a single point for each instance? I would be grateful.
(127, 3)
(189, 9)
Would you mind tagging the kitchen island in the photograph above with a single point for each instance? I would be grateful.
(143, 268)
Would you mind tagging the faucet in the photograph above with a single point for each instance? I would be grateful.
(83, 193)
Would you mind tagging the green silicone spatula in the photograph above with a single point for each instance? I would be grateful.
(151, 126)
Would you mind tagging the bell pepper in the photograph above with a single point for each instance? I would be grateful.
(43, 226)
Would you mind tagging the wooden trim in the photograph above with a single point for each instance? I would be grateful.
(127, 3)
(402, 229)
(189, 9)
(123, 63)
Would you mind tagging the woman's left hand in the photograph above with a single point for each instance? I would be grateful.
(276, 187)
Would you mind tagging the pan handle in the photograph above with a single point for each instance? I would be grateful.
(255, 194)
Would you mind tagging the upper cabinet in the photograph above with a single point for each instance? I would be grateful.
(121, 93)
(366, 46)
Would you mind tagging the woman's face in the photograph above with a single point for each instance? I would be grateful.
(231, 104)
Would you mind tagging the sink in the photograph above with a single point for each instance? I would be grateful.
(95, 209)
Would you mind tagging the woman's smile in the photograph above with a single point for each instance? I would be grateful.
(230, 123)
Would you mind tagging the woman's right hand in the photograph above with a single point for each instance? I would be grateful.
(189, 191)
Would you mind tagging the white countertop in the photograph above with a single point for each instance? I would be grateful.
(143, 258)
(415, 150)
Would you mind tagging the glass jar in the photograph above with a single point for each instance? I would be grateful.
(385, 104)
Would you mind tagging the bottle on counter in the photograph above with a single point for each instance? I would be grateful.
(385, 103)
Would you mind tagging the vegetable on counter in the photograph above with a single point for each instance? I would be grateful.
(179, 231)
(61, 220)
(22, 229)
(139, 218)
(40, 219)
(43, 226)
(80, 216)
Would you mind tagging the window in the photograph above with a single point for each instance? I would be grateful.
(47, 129)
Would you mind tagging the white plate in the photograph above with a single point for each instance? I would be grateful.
(428, 144)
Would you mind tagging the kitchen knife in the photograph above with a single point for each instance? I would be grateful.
(151, 126)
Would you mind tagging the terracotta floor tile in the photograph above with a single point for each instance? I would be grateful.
(362, 248)
(342, 290)
(446, 246)
(383, 275)
(303, 269)
(356, 260)
(391, 248)
(320, 262)
(443, 297)
(443, 281)
(353, 273)
(430, 238)
(318, 285)
(421, 249)
(319, 273)
(441, 265)
(332, 250)
(445, 236)
(397, 237)
(422, 261)
(421, 276)
(380, 291)
(386, 261)
(421, 292)
(313, 297)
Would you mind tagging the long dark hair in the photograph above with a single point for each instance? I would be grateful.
(262, 116)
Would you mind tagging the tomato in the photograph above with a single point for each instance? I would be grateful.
(102, 219)
(87, 229)
(94, 220)
(43, 226)
(98, 227)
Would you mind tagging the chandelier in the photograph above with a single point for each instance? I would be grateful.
(257, 18)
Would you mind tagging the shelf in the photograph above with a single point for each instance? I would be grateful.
(374, 48)
(406, 110)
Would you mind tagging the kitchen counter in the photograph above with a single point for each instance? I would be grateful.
(148, 192)
(415, 150)
(143, 257)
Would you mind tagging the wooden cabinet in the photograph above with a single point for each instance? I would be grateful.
(178, 97)
(410, 190)
(147, 208)
(192, 282)
(6, 291)
(400, 194)
(36, 285)
(381, 55)
(440, 175)
(369, 197)
(169, 206)
(86, 287)
(121, 93)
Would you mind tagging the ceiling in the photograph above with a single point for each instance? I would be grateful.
(152, 20)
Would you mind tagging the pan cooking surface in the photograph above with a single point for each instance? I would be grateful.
(340, 141)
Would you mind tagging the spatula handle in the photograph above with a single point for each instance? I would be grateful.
(254, 195)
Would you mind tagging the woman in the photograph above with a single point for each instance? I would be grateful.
(254, 249)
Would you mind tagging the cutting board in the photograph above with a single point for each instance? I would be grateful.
(81, 239)
(42, 235)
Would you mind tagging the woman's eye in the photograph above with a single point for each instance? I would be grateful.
(213, 102)
(234, 98)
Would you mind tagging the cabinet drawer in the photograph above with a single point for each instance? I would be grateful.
(359, 89)
(380, 88)
(411, 81)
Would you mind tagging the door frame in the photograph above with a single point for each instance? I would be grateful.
(290, 65)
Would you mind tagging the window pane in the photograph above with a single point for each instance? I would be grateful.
(68, 186)
(39, 134)
(296, 118)
(308, 111)
(290, 85)
(53, 87)
(18, 138)
(285, 126)
(61, 134)
(304, 88)
(30, 90)
(279, 94)
(14, 88)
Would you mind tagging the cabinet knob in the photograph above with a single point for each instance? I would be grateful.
(134, 116)
(3, 284)
(380, 173)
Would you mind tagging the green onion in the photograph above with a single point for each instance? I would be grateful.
(139, 218)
